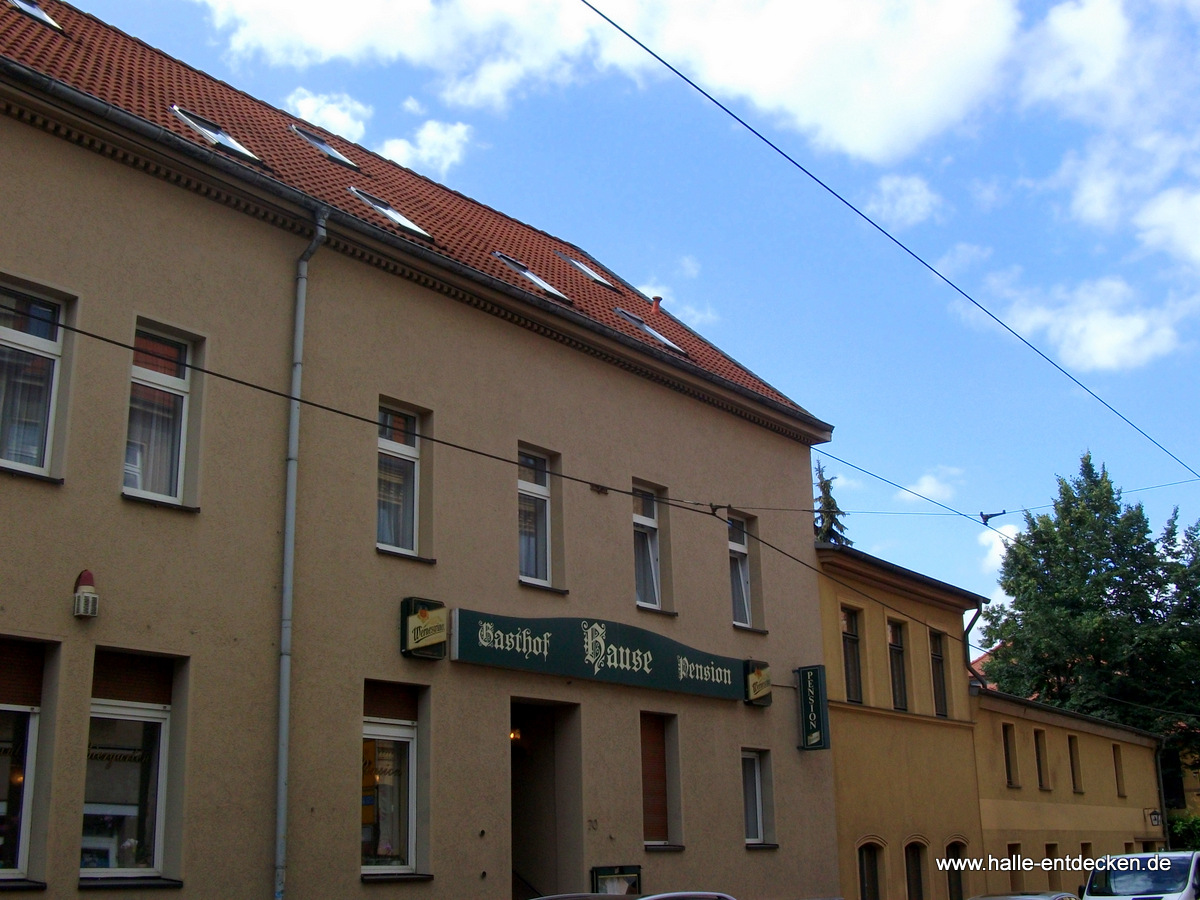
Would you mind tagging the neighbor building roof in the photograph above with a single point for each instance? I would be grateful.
(92, 58)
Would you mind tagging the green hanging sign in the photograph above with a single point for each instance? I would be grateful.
(814, 708)
(599, 650)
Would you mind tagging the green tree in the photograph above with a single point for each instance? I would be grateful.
(1104, 616)
(828, 519)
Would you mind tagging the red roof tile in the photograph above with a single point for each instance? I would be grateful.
(99, 60)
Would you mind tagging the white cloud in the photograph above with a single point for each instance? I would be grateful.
(938, 484)
(961, 258)
(689, 267)
(339, 113)
(1078, 49)
(1099, 324)
(438, 146)
(996, 543)
(413, 106)
(870, 78)
(1171, 222)
(901, 201)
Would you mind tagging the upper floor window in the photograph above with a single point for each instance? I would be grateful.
(155, 446)
(33, 9)
(325, 147)
(533, 516)
(645, 548)
(386, 210)
(937, 663)
(1076, 771)
(212, 132)
(739, 571)
(399, 462)
(519, 267)
(896, 663)
(1041, 759)
(30, 357)
(641, 325)
(1008, 734)
(851, 659)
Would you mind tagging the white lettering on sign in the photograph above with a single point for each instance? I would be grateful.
(689, 670)
(522, 641)
(598, 653)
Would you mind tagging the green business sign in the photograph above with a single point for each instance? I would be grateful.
(599, 651)
(814, 708)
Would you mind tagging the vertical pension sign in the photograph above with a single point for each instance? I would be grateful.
(813, 708)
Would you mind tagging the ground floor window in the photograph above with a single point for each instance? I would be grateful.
(18, 740)
(389, 778)
(125, 788)
(868, 872)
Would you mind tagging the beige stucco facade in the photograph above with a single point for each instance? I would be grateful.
(915, 786)
(129, 239)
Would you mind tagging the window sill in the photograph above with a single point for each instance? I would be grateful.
(389, 551)
(372, 877)
(738, 626)
(762, 845)
(543, 587)
(112, 883)
(165, 504)
(36, 476)
(657, 610)
(21, 884)
(664, 848)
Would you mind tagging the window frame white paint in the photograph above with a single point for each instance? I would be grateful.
(27, 788)
(213, 132)
(131, 711)
(47, 349)
(540, 492)
(739, 555)
(178, 386)
(648, 525)
(408, 453)
(376, 728)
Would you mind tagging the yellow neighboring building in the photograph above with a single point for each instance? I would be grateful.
(929, 766)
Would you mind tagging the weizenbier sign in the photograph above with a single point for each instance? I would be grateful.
(594, 649)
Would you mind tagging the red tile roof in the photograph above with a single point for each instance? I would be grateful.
(119, 70)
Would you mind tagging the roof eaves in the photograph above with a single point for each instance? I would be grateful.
(979, 689)
(817, 430)
(858, 560)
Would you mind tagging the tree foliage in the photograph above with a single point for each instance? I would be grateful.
(828, 519)
(1104, 618)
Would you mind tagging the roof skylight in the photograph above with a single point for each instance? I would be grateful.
(520, 267)
(640, 323)
(31, 8)
(212, 132)
(587, 270)
(325, 147)
(385, 209)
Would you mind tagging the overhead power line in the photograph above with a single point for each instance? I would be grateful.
(887, 234)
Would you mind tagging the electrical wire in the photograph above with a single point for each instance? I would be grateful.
(887, 234)
(695, 506)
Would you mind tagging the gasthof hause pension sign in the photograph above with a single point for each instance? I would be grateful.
(597, 650)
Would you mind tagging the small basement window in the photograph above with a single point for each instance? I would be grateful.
(31, 8)
(640, 323)
(521, 268)
(385, 209)
(325, 147)
(587, 270)
(211, 132)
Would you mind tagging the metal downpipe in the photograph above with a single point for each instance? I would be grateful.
(289, 557)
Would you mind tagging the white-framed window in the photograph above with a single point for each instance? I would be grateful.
(586, 270)
(399, 473)
(125, 791)
(641, 325)
(18, 763)
(33, 9)
(30, 360)
(155, 445)
(533, 516)
(645, 548)
(752, 796)
(520, 268)
(324, 146)
(739, 572)
(389, 791)
(212, 132)
(388, 211)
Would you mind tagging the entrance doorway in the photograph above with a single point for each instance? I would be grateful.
(547, 816)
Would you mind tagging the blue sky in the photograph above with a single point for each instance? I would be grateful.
(1044, 156)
